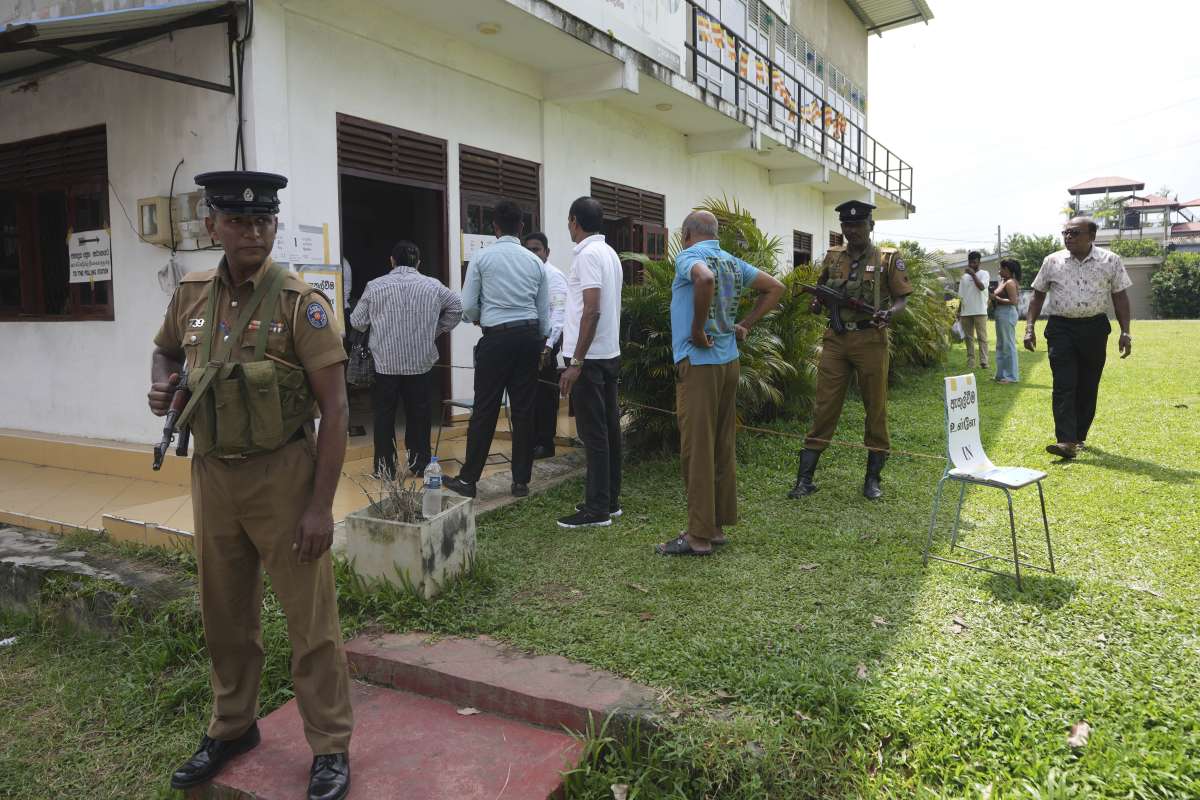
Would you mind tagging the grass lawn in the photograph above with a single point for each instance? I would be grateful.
(815, 656)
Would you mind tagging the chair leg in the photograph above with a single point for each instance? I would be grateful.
(1046, 525)
(937, 500)
(1012, 526)
(957, 517)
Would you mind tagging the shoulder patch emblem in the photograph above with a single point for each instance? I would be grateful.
(316, 315)
(900, 264)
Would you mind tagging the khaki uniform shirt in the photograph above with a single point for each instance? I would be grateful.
(302, 332)
(885, 267)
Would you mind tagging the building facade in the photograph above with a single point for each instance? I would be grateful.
(394, 119)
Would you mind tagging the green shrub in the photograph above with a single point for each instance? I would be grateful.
(1176, 287)
(921, 335)
(1136, 248)
(1030, 251)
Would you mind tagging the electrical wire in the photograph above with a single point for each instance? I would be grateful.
(171, 205)
(138, 234)
(239, 146)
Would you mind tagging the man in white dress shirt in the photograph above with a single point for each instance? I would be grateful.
(545, 409)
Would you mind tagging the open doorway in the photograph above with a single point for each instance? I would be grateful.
(375, 214)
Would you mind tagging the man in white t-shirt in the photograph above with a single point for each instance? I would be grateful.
(592, 349)
(972, 310)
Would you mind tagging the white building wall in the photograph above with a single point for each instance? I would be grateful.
(483, 101)
(90, 378)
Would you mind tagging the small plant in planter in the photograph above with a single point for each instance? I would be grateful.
(390, 540)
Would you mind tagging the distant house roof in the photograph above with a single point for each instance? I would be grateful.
(1185, 229)
(1190, 203)
(878, 16)
(1108, 183)
(1151, 201)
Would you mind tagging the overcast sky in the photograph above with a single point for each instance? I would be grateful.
(1000, 106)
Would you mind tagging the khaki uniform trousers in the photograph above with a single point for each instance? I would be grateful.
(865, 354)
(975, 330)
(706, 401)
(246, 514)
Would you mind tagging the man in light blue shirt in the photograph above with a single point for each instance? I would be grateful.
(507, 294)
(704, 338)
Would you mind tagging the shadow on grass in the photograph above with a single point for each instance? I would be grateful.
(1047, 592)
(1095, 456)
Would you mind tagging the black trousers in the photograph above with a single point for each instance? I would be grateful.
(545, 408)
(598, 422)
(1077, 350)
(386, 394)
(504, 361)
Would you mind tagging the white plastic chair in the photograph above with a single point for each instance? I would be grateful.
(967, 463)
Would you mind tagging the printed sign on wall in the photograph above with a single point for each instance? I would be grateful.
(89, 254)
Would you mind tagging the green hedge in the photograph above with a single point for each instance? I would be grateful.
(1176, 287)
(1136, 248)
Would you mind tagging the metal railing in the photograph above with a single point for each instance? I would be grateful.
(727, 65)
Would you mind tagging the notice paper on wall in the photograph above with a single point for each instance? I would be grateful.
(472, 243)
(89, 254)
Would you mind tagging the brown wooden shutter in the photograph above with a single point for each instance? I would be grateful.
(372, 150)
(836, 239)
(496, 174)
(55, 161)
(621, 201)
(802, 242)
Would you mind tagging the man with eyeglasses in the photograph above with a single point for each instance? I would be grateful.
(1075, 286)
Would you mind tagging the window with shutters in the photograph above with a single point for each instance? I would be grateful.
(634, 222)
(485, 178)
(373, 150)
(49, 187)
(836, 239)
(801, 248)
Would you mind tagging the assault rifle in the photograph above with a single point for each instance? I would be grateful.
(834, 300)
(179, 401)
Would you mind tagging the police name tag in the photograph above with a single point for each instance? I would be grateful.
(870, 267)
(195, 323)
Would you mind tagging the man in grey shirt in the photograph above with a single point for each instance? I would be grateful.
(406, 312)
(506, 292)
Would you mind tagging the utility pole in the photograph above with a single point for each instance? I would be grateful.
(999, 255)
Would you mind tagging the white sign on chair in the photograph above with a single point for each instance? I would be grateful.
(965, 447)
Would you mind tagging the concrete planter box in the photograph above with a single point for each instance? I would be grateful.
(425, 555)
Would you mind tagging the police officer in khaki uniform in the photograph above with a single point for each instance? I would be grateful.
(263, 354)
(877, 277)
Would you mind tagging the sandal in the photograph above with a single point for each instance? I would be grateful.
(679, 547)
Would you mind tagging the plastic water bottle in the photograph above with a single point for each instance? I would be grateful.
(431, 498)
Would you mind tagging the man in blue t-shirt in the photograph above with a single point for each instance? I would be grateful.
(704, 337)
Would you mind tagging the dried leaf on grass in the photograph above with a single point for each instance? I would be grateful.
(468, 712)
(1138, 587)
(1080, 732)
(958, 625)
(639, 588)
(755, 749)
(620, 791)
(645, 616)
(723, 696)
(807, 567)
(879, 622)
(861, 672)
(800, 715)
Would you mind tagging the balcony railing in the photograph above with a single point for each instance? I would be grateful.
(726, 64)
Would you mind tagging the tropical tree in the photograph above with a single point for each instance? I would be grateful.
(1030, 250)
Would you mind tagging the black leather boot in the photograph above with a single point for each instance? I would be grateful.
(804, 475)
(330, 777)
(211, 757)
(875, 461)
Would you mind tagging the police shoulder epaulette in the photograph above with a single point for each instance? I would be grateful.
(889, 251)
(837, 248)
(204, 276)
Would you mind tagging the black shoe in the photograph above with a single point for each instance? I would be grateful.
(330, 777)
(585, 519)
(211, 757)
(542, 452)
(804, 474)
(358, 430)
(520, 490)
(875, 461)
(613, 511)
(459, 486)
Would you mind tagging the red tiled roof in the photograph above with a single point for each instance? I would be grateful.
(1108, 183)
(1190, 203)
(1150, 201)
(1185, 228)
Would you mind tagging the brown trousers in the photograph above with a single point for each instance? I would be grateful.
(864, 353)
(706, 401)
(246, 516)
(975, 328)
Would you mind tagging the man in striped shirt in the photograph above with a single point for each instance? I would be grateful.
(406, 312)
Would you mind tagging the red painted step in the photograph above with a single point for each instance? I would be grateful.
(544, 690)
(411, 747)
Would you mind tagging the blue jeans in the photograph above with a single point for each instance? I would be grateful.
(1006, 343)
